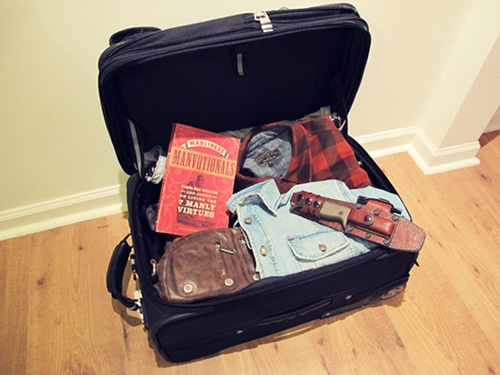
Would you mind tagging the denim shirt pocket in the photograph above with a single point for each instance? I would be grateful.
(319, 246)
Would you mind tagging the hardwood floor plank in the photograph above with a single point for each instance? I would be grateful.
(14, 329)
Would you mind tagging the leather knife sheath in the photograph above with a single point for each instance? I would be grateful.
(374, 220)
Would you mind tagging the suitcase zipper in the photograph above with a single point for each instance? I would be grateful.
(278, 284)
(342, 12)
(264, 20)
(137, 147)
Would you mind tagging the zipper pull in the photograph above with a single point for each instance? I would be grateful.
(264, 20)
(338, 121)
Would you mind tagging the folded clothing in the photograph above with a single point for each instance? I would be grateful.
(295, 152)
(284, 243)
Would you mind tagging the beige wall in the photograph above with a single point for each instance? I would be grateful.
(494, 124)
(431, 64)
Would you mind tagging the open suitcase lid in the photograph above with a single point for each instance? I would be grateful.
(230, 73)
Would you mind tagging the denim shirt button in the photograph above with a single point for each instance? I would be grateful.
(263, 250)
(248, 220)
(322, 247)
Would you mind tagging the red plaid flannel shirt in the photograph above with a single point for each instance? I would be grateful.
(319, 152)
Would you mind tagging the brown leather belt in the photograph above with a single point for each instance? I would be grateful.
(374, 220)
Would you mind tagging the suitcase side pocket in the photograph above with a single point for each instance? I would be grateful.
(290, 315)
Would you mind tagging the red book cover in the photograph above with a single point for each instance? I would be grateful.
(199, 179)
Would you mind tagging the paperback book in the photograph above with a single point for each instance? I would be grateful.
(199, 179)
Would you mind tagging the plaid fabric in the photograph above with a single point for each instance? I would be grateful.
(319, 152)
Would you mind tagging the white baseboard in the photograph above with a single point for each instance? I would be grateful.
(429, 158)
(388, 142)
(63, 211)
(111, 200)
(432, 160)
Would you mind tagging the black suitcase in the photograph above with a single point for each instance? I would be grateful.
(237, 72)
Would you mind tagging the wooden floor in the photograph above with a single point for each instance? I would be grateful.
(57, 318)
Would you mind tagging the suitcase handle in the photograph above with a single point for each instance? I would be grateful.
(116, 271)
(130, 33)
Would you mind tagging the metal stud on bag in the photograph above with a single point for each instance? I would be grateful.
(219, 247)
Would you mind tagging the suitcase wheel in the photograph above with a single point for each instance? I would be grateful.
(392, 292)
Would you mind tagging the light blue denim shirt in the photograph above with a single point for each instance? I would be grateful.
(284, 243)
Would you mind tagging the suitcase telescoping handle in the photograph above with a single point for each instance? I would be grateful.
(116, 271)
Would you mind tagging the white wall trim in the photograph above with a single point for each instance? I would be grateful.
(110, 200)
(388, 142)
(432, 160)
(428, 157)
(61, 211)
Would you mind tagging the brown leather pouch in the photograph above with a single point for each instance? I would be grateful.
(204, 265)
